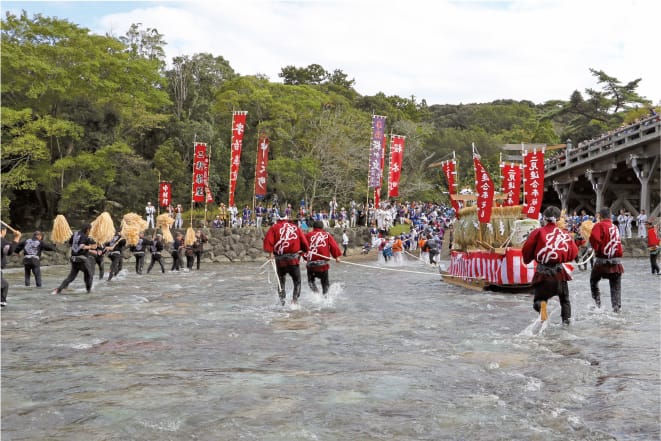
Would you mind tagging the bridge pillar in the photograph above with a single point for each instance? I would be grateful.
(599, 180)
(643, 167)
(563, 191)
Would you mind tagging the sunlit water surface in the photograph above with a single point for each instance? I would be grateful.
(389, 355)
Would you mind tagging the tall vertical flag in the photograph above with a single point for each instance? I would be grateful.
(260, 168)
(238, 129)
(395, 167)
(165, 193)
(377, 190)
(484, 189)
(207, 167)
(533, 182)
(511, 183)
(200, 172)
(449, 170)
(376, 151)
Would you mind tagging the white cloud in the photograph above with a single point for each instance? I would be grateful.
(442, 51)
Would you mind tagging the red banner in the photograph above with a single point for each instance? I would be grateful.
(200, 172)
(164, 194)
(396, 156)
(238, 129)
(511, 179)
(260, 169)
(449, 170)
(484, 189)
(377, 190)
(533, 182)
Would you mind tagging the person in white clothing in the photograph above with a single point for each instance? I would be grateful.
(149, 211)
(641, 220)
(345, 242)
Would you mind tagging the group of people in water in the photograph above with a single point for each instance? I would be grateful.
(551, 247)
(554, 249)
(87, 255)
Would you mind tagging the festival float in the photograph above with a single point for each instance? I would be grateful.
(491, 227)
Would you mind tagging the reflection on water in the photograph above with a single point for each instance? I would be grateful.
(209, 355)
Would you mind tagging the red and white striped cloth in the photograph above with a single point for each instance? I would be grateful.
(495, 268)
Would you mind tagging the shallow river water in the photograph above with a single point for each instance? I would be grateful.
(389, 355)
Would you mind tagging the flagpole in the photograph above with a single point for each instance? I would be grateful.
(206, 186)
(158, 199)
(254, 182)
(192, 185)
(229, 192)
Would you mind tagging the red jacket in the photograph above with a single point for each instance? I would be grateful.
(285, 240)
(549, 245)
(652, 238)
(322, 247)
(605, 240)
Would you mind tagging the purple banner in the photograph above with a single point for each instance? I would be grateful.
(378, 130)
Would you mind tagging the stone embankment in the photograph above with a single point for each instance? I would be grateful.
(224, 245)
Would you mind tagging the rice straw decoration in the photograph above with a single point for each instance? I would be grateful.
(103, 228)
(61, 231)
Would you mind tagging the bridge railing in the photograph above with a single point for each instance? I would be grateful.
(621, 138)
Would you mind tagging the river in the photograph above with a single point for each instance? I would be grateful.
(389, 355)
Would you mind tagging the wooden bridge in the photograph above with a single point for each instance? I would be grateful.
(620, 170)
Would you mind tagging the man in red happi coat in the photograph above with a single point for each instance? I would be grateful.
(284, 242)
(322, 247)
(652, 246)
(550, 247)
(607, 246)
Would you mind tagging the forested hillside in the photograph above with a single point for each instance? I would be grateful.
(90, 123)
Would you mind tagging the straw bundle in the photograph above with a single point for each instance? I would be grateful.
(134, 220)
(163, 221)
(189, 239)
(486, 235)
(132, 225)
(502, 228)
(103, 228)
(585, 230)
(61, 230)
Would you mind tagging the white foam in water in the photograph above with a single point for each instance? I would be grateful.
(536, 328)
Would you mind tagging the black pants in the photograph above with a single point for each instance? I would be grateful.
(655, 266)
(432, 256)
(198, 257)
(139, 261)
(99, 263)
(190, 260)
(615, 282)
(546, 289)
(115, 264)
(78, 264)
(5, 289)
(32, 266)
(295, 272)
(176, 261)
(156, 258)
(322, 276)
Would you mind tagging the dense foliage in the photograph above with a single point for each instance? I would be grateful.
(91, 123)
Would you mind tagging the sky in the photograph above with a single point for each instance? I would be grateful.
(445, 52)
